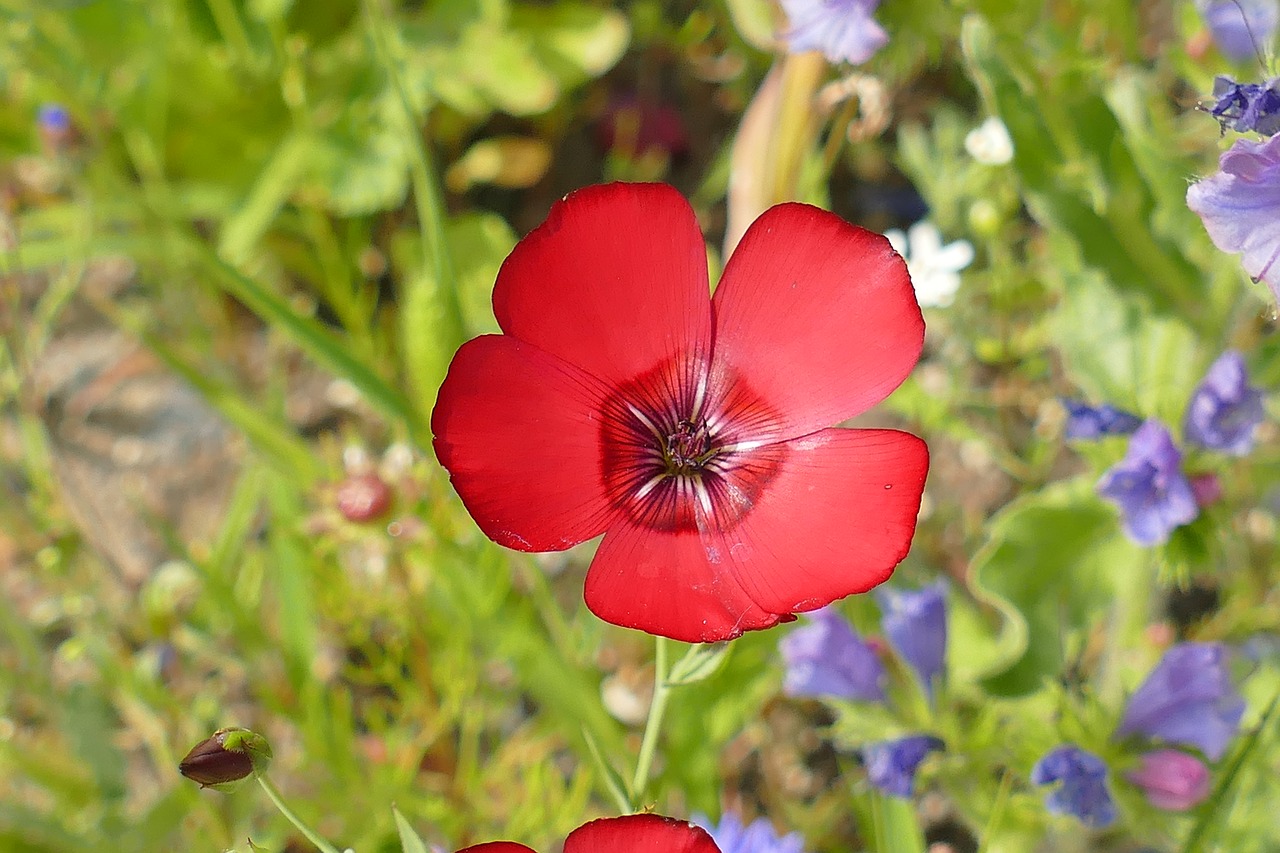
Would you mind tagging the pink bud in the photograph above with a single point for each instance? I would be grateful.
(1207, 488)
(1172, 780)
(363, 498)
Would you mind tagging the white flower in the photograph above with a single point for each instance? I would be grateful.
(989, 143)
(935, 268)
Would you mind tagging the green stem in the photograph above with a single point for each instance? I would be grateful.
(652, 726)
(310, 833)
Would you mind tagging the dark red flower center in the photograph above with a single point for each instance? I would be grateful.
(676, 456)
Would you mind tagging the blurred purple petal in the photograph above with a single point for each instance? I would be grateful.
(1188, 699)
(1225, 410)
(1149, 487)
(916, 624)
(731, 836)
(1087, 422)
(842, 29)
(1082, 785)
(892, 764)
(1240, 206)
(827, 658)
(1172, 780)
(1236, 39)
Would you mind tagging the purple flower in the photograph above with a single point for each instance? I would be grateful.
(916, 624)
(53, 118)
(1149, 487)
(842, 29)
(892, 764)
(1086, 422)
(1082, 789)
(1225, 410)
(757, 837)
(1246, 107)
(1237, 39)
(1240, 206)
(1172, 780)
(828, 658)
(1187, 699)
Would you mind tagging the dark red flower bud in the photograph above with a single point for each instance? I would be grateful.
(226, 759)
(363, 498)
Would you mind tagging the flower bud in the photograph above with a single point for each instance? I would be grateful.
(1172, 780)
(226, 759)
(363, 498)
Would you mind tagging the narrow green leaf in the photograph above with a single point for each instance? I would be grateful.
(613, 781)
(410, 842)
(1215, 809)
(699, 663)
(330, 351)
(896, 828)
(277, 181)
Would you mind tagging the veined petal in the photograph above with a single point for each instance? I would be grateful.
(835, 520)
(518, 430)
(817, 316)
(639, 833)
(673, 583)
(834, 517)
(615, 282)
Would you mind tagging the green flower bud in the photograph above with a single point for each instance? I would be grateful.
(226, 759)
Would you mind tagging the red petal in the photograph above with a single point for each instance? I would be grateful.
(663, 582)
(639, 833)
(497, 847)
(615, 281)
(519, 432)
(834, 519)
(817, 316)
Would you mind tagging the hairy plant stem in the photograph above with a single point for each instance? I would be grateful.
(311, 834)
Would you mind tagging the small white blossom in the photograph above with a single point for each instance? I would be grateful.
(989, 143)
(935, 268)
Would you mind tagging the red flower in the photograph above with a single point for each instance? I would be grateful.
(637, 833)
(690, 430)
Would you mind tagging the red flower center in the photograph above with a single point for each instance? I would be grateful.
(675, 455)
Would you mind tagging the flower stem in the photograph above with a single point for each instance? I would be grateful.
(652, 726)
(311, 834)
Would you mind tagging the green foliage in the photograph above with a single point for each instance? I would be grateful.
(270, 173)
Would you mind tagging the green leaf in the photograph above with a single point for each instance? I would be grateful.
(699, 663)
(614, 783)
(1053, 556)
(316, 341)
(1117, 351)
(575, 41)
(897, 830)
(279, 178)
(410, 842)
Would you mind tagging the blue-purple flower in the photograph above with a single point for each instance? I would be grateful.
(1087, 422)
(892, 764)
(1149, 487)
(1172, 780)
(1246, 107)
(1225, 410)
(827, 658)
(842, 29)
(916, 624)
(1240, 206)
(1188, 699)
(1237, 39)
(1081, 779)
(759, 836)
